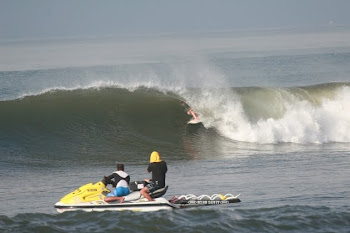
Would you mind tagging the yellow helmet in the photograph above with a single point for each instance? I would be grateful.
(155, 157)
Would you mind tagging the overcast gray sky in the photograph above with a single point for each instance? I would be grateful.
(65, 18)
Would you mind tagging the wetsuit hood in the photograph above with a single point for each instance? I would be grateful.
(155, 157)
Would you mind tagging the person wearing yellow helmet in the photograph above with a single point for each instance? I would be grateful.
(158, 168)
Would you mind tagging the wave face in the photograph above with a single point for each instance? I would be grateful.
(114, 118)
(95, 121)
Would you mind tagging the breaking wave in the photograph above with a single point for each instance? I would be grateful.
(309, 114)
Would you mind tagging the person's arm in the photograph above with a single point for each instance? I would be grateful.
(109, 180)
(148, 170)
(166, 167)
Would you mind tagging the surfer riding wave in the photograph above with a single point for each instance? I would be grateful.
(190, 111)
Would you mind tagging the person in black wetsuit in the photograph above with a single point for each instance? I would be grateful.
(121, 181)
(158, 169)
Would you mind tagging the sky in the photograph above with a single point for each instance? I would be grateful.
(70, 18)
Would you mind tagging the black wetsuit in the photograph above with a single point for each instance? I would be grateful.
(158, 173)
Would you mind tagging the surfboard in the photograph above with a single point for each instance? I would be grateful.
(194, 122)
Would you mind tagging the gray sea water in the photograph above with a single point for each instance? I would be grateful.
(276, 120)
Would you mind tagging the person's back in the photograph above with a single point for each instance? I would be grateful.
(158, 170)
(121, 181)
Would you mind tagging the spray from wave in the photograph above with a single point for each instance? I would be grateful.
(312, 114)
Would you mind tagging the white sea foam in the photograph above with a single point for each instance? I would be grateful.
(302, 122)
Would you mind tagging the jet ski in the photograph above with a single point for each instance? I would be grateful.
(90, 197)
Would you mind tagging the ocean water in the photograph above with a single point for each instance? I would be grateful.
(275, 108)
